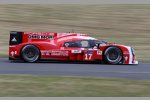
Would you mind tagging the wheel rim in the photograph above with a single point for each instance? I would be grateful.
(112, 55)
(30, 53)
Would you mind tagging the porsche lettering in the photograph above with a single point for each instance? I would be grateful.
(55, 53)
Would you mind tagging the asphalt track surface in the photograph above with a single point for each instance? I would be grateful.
(141, 71)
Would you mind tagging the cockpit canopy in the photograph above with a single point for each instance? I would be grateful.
(82, 43)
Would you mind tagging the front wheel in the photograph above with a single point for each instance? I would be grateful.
(113, 55)
(30, 53)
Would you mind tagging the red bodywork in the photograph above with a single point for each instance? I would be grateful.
(51, 46)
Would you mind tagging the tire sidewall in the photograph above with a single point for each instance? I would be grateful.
(30, 60)
(119, 58)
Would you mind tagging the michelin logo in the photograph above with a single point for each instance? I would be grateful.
(76, 51)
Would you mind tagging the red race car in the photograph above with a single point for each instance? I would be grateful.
(34, 46)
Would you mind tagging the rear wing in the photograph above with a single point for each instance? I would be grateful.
(22, 37)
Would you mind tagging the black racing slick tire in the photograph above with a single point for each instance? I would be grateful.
(113, 55)
(30, 53)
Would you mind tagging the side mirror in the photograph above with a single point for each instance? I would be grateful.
(98, 45)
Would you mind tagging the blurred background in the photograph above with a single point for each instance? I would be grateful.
(123, 24)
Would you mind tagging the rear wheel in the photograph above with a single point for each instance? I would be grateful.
(30, 53)
(113, 55)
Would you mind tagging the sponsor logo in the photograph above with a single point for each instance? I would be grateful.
(55, 53)
(40, 37)
(59, 53)
(99, 52)
(126, 58)
(13, 53)
(76, 51)
(14, 40)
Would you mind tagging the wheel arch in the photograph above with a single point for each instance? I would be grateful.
(32, 45)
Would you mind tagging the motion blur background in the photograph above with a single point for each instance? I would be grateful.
(124, 24)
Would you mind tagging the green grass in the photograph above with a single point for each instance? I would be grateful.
(54, 86)
(124, 24)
